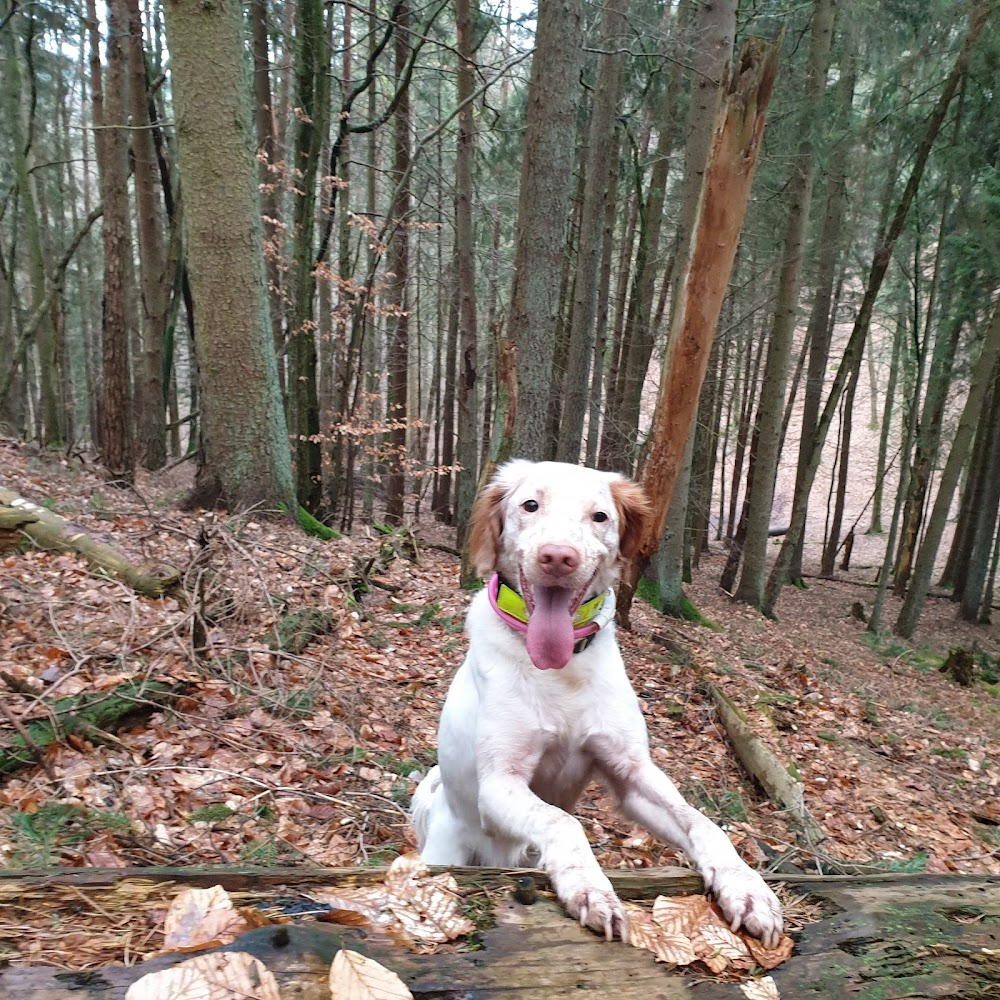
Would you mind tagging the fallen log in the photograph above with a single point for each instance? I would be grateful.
(88, 713)
(781, 788)
(50, 531)
(890, 935)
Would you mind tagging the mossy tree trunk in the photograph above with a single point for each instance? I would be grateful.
(246, 458)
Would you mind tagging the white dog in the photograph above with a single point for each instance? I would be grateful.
(542, 704)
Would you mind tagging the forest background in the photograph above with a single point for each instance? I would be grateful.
(340, 258)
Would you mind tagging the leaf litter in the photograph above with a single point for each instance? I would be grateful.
(309, 757)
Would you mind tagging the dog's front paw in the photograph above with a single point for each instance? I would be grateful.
(747, 901)
(594, 904)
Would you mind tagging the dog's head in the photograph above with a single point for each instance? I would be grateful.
(558, 533)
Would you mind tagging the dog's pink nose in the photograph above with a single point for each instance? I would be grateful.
(558, 560)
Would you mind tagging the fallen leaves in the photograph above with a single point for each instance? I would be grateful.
(201, 918)
(223, 975)
(412, 906)
(684, 929)
(356, 977)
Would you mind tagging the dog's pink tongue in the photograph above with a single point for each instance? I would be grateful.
(550, 628)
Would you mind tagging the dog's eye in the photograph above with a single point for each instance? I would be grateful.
(600, 517)
(530, 506)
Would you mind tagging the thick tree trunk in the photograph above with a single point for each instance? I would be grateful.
(751, 585)
(725, 189)
(246, 455)
(546, 167)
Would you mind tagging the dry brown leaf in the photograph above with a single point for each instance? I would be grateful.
(222, 975)
(347, 918)
(769, 958)
(760, 989)
(199, 917)
(644, 932)
(411, 906)
(356, 977)
(719, 948)
(680, 914)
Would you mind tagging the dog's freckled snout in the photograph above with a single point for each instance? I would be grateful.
(558, 560)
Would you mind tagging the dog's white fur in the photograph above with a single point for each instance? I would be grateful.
(517, 745)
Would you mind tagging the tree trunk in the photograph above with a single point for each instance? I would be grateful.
(859, 334)
(20, 144)
(751, 585)
(111, 140)
(269, 173)
(725, 189)
(875, 528)
(818, 330)
(984, 373)
(622, 425)
(152, 256)
(468, 420)
(397, 263)
(601, 147)
(246, 455)
(546, 167)
(986, 515)
(603, 304)
(311, 98)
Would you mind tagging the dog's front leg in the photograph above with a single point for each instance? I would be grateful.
(508, 808)
(649, 797)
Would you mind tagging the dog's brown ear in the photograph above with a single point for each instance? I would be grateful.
(633, 512)
(485, 526)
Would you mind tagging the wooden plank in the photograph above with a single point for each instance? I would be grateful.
(645, 884)
(534, 953)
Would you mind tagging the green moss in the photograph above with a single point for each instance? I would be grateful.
(215, 813)
(311, 526)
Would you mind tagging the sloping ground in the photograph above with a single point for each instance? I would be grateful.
(309, 757)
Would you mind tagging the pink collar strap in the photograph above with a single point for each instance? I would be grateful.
(583, 634)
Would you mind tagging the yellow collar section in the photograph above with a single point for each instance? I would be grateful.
(512, 603)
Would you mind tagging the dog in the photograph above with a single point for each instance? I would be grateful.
(542, 704)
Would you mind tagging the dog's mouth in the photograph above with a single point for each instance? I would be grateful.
(550, 637)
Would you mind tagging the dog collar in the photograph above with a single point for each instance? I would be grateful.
(589, 618)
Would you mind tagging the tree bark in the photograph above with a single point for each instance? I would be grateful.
(465, 151)
(246, 454)
(269, 174)
(725, 189)
(117, 448)
(546, 167)
(601, 147)
(152, 256)
(397, 262)
(312, 73)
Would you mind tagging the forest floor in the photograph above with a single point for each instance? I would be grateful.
(281, 758)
